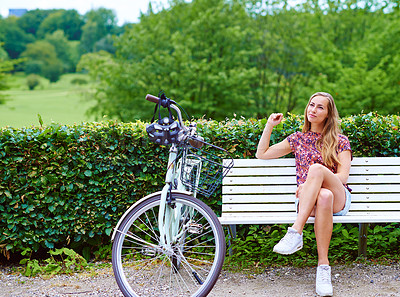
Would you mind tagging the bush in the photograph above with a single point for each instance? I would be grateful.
(53, 71)
(33, 67)
(79, 81)
(254, 243)
(32, 80)
(68, 185)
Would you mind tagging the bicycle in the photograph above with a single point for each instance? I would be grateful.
(170, 243)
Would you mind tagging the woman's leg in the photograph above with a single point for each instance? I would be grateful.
(323, 232)
(321, 195)
(323, 224)
(318, 177)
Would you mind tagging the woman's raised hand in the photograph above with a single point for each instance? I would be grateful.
(274, 119)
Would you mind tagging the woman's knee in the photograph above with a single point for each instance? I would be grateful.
(315, 171)
(325, 199)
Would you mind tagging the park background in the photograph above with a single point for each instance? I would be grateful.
(66, 76)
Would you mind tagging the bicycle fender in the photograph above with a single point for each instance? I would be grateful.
(140, 201)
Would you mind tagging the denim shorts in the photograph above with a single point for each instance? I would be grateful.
(342, 212)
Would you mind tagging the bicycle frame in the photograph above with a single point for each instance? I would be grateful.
(170, 214)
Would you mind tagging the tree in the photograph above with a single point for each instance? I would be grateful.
(3, 54)
(31, 20)
(44, 57)
(66, 51)
(251, 58)
(14, 38)
(282, 63)
(105, 19)
(32, 81)
(198, 52)
(6, 65)
(67, 20)
(357, 62)
(72, 24)
(105, 44)
(90, 35)
(99, 24)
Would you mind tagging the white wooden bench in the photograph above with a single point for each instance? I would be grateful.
(262, 192)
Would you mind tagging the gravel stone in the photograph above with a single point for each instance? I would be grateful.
(348, 281)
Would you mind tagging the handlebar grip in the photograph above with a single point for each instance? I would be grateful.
(196, 142)
(152, 98)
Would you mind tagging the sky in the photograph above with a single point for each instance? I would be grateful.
(126, 10)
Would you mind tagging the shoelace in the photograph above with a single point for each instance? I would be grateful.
(288, 237)
(324, 275)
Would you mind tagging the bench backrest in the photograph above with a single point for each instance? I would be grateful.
(263, 191)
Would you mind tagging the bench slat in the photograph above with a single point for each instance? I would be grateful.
(288, 180)
(259, 189)
(260, 180)
(260, 219)
(290, 207)
(263, 189)
(285, 162)
(373, 161)
(279, 171)
(369, 161)
(381, 188)
(274, 171)
(374, 170)
(289, 198)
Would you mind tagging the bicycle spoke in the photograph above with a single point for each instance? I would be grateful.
(175, 273)
(151, 226)
(192, 271)
(138, 239)
(156, 239)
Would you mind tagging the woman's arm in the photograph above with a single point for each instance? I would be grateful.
(264, 151)
(343, 170)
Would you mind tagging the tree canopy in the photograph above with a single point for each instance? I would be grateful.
(245, 57)
(68, 32)
(6, 65)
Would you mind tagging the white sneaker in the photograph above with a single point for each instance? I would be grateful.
(290, 243)
(323, 284)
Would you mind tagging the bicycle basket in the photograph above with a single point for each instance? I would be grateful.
(203, 168)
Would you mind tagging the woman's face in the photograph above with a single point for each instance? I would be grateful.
(317, 110)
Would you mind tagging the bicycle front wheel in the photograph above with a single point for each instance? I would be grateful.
(188, 266)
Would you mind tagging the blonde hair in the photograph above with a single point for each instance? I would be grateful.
(328, 143)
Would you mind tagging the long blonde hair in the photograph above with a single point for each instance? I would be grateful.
(328, 143)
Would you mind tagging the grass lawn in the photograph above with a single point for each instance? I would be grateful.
(60, 102)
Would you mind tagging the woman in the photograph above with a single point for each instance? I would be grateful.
(323, 158)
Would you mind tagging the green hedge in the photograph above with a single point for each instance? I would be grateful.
(68, 185)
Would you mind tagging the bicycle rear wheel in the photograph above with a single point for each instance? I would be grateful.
(190, 266)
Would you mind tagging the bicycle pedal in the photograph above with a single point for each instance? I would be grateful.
(195, 228)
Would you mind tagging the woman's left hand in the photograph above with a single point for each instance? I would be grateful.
(298, 191)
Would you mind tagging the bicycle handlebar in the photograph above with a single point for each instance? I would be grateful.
(164, 102)
(194, 140)
(152, 98)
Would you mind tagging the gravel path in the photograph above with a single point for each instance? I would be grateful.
(357, 280)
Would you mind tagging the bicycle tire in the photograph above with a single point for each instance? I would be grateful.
(143, 268)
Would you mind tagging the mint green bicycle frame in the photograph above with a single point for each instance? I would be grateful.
(169, 216)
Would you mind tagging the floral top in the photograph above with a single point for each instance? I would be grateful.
(304, 147)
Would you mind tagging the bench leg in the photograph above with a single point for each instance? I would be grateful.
(232, 235)
(362, 239)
